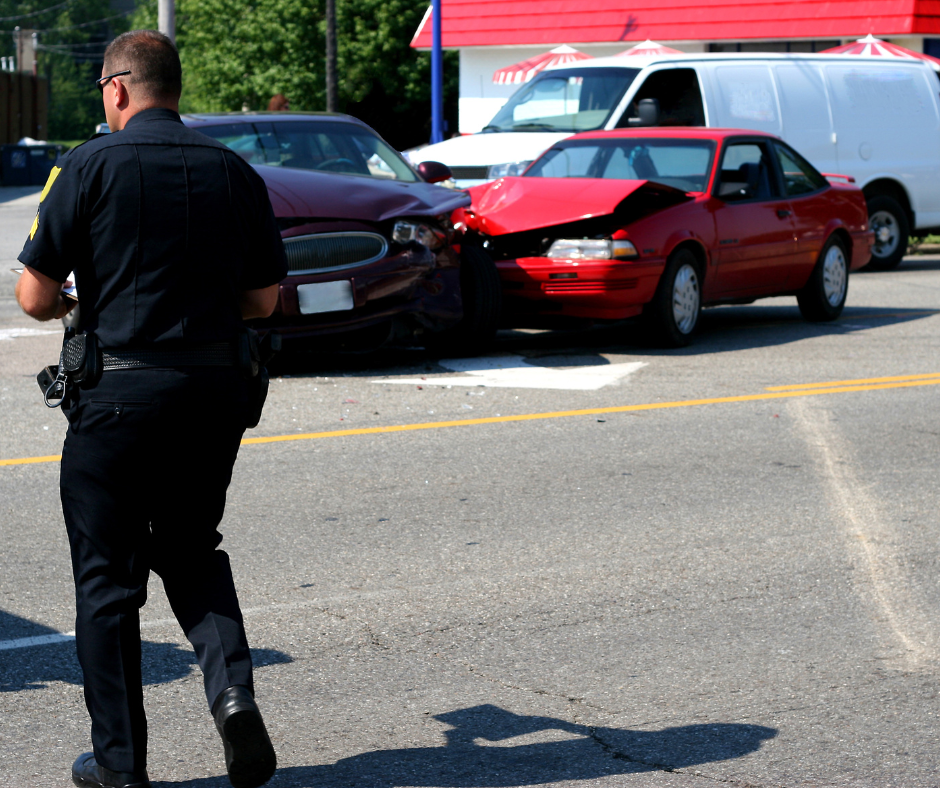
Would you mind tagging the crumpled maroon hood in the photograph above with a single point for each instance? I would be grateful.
(326, 195)
(514, 205)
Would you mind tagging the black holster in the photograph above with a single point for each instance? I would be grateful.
(79, 365)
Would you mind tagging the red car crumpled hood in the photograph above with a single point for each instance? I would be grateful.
(514, 205)
(328, 195)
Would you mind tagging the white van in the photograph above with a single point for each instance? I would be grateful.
(875, 119)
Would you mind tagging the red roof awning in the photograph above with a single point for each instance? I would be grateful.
(468, 23)
(875, 47)
(524, 71)
(648, 48)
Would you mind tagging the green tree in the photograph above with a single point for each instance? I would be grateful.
(238, 54)
(72, 36)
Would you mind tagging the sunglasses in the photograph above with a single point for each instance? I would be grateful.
(100, 83)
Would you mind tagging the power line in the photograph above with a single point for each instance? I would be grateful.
(68, 47)
(34, 13)
(75, 27)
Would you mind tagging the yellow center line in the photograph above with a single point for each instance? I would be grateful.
(31, 460)
(811, 390)
(832, 383)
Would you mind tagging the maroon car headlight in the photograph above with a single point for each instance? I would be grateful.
(406, 232)
(591, 249)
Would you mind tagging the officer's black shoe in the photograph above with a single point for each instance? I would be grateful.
(249, 755)
(86, 773)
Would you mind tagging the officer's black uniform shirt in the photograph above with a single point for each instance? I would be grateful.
(164, 228)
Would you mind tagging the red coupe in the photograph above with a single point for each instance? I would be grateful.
(661, 222)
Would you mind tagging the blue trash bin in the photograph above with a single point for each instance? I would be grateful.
(28, 165)
(15, 161)
(42, 158)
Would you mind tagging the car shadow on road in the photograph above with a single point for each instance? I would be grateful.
(489, 746)
(722, 330)
(33, 667)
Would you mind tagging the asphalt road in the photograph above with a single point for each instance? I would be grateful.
(713, 568)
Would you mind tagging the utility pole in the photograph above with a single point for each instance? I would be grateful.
(437, 75)
(25, 50)
(166, 18)
(331, 85)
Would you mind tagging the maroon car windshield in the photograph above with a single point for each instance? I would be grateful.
(320, 145)
(681, 163)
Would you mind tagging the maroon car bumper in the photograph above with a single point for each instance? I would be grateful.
(417, 289)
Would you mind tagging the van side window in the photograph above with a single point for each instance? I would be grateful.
(679, 96)
(746, 173)
(799, 176)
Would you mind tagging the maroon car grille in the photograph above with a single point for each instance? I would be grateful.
(308, 254)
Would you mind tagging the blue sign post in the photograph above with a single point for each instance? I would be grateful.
(437, 75)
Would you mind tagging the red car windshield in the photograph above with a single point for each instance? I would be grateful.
(681, 163)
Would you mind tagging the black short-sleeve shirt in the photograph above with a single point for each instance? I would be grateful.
(164, 228)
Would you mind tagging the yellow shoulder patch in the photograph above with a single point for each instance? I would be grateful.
(52, 176)
(32, 230)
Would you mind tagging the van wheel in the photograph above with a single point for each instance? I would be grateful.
(823, 297)
(482, 295)
(672, 316)
(888, 221)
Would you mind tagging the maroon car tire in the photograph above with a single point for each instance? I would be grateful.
(823, 296)
(482, 295)
(673, 315)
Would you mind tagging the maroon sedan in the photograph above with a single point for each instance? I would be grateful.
(369, 239)
(660, 222)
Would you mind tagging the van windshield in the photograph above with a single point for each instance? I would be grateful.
(565, 99)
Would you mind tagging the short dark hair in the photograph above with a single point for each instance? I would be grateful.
(152, 60)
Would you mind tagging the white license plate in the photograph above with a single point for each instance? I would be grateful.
(325, 297)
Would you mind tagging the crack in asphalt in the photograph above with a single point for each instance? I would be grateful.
(610, 750)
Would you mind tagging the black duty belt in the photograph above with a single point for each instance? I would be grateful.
(217, 354)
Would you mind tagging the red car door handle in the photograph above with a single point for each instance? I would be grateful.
(783, 213)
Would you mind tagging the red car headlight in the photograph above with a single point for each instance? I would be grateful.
(591, 249)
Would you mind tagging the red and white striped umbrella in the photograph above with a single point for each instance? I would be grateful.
(648, 48)
(524, 71)
(876, 47)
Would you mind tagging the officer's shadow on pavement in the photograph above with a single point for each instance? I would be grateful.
(52, 658)
(489, 747)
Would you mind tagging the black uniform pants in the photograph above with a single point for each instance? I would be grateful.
(147, 460)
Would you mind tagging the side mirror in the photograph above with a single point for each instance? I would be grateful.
(647, 113)
(434, 171)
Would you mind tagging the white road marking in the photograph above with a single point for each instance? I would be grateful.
(517, 372)
(9, 334)
(41, 640)
(871, 537)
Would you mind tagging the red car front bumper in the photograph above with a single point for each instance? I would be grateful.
(592, 289)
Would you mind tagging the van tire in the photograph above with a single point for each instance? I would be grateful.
(482, 293)
(823, 297)
(673, 315)
(892, 230)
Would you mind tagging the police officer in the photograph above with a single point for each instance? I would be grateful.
(173, 243)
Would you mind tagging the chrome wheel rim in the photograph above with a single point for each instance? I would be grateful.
(835, 275)
(685, 299)
(887, 233)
